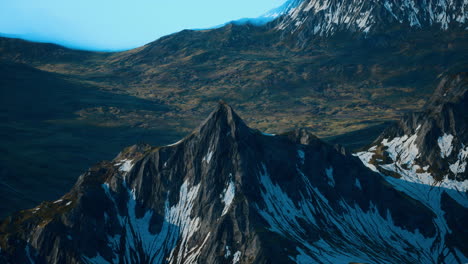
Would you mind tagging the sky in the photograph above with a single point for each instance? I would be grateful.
(110, 25)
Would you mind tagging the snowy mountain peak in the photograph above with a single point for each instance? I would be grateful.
(326, 17)
(283, 9)
(230, 194)
(429, 147)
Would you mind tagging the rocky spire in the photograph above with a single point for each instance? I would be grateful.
(228, 194)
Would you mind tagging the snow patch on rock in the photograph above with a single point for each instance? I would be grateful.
(228, 252)
(125, 165)
(403, 152)
(460, 165)
(402, 149)
(445, 145)
(228, 195)
(365, 157)
(177, 228)
(352, 227)
(208, 156)
(236, 257)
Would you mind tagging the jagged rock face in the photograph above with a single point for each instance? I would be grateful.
(358, 84)
(327, 17)
(230, 194)
(430, 150)
(432, 144)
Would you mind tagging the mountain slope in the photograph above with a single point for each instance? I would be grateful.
(327, 17)
(429, 145)
(429, 149)
(265, 72)
(277, 81)
(230, 194)
(45, 146)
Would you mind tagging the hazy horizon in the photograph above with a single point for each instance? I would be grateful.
(89, 25)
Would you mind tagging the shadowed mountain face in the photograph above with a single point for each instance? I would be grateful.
(429, 149)
(43, 149)
(227, 193)
(429, 145)
(64, 109)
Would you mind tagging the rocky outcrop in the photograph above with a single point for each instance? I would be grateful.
(229, 194)
(434, 142)
(424, 155)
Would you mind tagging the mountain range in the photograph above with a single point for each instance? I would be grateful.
(280, 75)
(384, 79)
(327, 17)
(227, 193)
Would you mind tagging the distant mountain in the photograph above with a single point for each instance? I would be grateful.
(327, 17)
(227, 193)
(283, 67)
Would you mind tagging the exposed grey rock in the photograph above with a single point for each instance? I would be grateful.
(229, 194)
(441, 131)
(329, 17)
(429, 149)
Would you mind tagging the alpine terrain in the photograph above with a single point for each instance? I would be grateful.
(327, 17)
(335, 67)
(429, 149)
(268, 188)
(227, 193)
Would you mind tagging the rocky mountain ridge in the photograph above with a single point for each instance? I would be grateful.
(276, 80)
(428, 149)
(230, 194)
(429, 145)
(327, 17)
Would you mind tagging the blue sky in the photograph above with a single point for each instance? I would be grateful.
(118, 24)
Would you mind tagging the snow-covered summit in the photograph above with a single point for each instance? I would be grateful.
(326, 17)
(283, 9)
